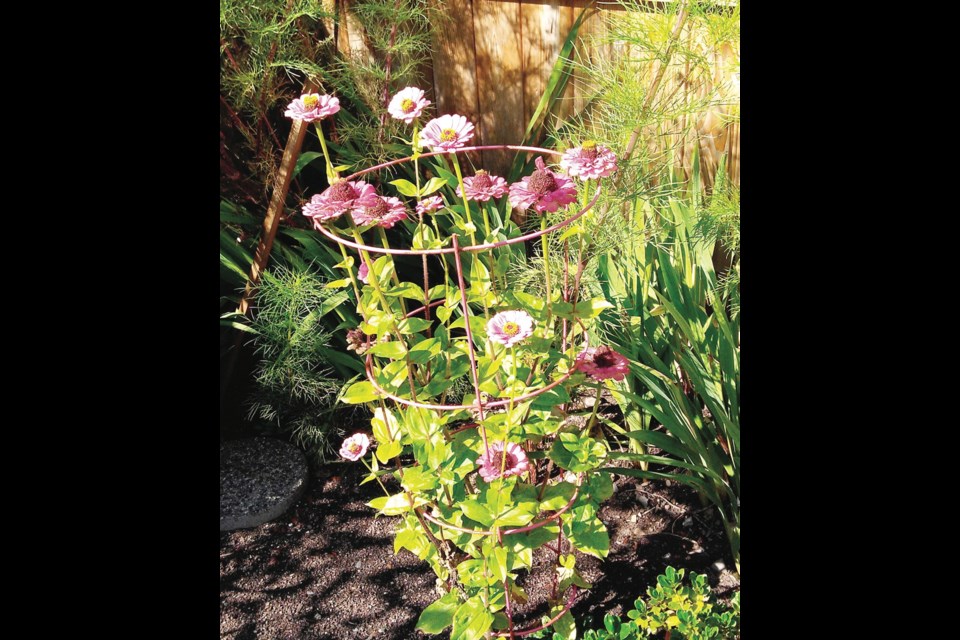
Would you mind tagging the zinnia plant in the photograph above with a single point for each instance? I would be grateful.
(480, 480)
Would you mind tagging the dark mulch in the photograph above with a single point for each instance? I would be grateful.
(326, 569)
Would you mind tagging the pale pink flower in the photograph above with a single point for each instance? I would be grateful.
(492, 461)
(339, 198)
(483, 186)
(602, 363)
(429, 205)
(355, 447)
(510, 327)
(407, 104)
(384, 212)
(589, 161)
(363, 272)
(543, 190)
(312, 106)
(447, 133)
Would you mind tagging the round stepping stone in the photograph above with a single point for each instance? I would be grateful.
(260, 478)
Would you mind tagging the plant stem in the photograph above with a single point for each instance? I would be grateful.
(385, 492)
(331, 174)
(546, 266)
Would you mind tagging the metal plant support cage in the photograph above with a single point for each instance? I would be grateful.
(479, 405)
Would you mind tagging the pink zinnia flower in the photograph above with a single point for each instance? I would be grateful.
(384, 212)
(543, 190)
(407, 104)
(429, 205)
(602, 363)
(339, 198)
(483, 186)
(589, 161)
(510, 327)
(355, 447)
(492, 461)
(447, 133)
(312, 106)
(363, 272)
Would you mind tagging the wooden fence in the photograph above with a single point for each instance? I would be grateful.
(492, 60)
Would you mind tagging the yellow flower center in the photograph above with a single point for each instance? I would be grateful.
(355, 447)
(407, 105)
(310, 101)
(448, 135)
(511, 328)
(589, 144)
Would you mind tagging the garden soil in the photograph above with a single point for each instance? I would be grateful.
(326, 570)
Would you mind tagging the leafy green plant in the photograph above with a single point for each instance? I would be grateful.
(683, 396)
(679, 611)
(295, 387)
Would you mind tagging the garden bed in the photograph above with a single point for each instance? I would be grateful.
(326, 569)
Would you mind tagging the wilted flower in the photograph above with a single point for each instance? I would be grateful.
(407, 104)
(384, 212)
(358, 341)
(429, 205)
(510, 327)
(363, 272)
(312, 106)
(483, 186)
(543, 190)
(602, 363)
(339, 198)
(355, 447)
(447, 133)
(589, 161)
(492, 461)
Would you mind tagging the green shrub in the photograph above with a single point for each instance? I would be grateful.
(673, 610)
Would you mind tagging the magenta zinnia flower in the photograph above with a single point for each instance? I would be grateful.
(384, 212)
(510, 327)
(602, 363)
(543, 190)
(483, 186)
(447, 133)
(492, 461)
(429, 205)
(339, 198)
(312, 106)
(407, 104)
(355, 447)
(363, 272)
(589, 161)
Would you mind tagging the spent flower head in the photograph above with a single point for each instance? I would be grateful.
(338, 198)
(589, 161)
(384, 212)
(483, 186)
(602, 363)
(543, 190)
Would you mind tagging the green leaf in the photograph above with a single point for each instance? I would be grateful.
(476, 511)
(592, 308)
(433, 184)
(388, 451)
(391, 506)
(471, 620)
(413, 325)
(337, 284)
(360, 392)
(415, 480)
(439, 615)
(405, 187)
(497, 561)
(407, 290)
(305, 158)
(564, 626)
(393, 349)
